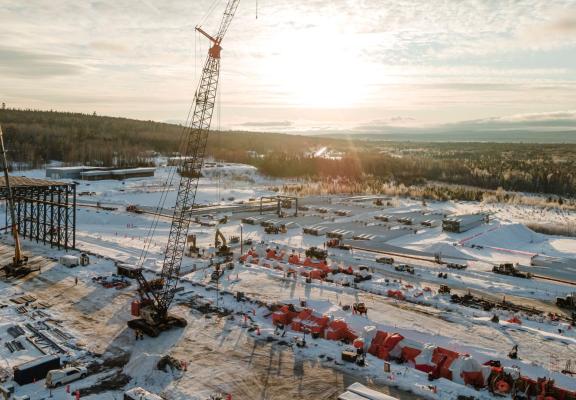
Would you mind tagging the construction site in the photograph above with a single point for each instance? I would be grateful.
(169, 285)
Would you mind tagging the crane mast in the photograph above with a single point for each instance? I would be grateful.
(156, 303)
(19, 259)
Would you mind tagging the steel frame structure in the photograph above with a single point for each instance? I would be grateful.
(45, 213)
(279, 200)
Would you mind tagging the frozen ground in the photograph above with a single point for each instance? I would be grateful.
(223, 356)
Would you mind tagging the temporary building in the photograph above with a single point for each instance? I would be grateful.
(384, 343)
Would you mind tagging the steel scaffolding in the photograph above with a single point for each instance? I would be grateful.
(45, 210)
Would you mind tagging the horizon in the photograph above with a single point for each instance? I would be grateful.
(303, 67)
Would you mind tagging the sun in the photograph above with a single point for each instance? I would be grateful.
(317, 70)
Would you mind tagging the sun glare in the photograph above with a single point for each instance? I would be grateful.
(317, 70)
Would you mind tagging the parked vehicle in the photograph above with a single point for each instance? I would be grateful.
(510, 270)
(385, 260)
(59, 377)
(404, 268)
(315, 252)
(568, 302)
(456, 266)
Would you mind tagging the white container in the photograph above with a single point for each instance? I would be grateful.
(70, 261)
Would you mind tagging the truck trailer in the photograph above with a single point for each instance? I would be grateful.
(35, 370)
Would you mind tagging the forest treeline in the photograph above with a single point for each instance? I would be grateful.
(36, 137)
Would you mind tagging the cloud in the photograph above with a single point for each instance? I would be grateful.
(108, 46)
(27, 64)
(516, 125)
(549, 120)
(268, 124)
(560, 26)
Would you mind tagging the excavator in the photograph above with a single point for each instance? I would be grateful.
(222, 248)
(19, 265)
(152, 309)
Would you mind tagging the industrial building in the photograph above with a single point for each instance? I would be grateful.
(98, 173)
(67, 172)
(45, 210)
(118, 174)
(463, 223)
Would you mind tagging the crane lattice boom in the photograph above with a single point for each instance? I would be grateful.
(190, 168)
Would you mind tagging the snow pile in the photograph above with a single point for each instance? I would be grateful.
(515, 236)
(142, 368)
(444, 249)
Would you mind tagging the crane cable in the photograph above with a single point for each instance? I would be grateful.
(172, 172)
(210, 10)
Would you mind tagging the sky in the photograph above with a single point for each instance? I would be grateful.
(302, 66)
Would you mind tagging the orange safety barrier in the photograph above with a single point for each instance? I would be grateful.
(284, 316)
(339, 330)
(317, 274)
(251, 253)
(409, 354)
(396, 294)
(348, 271)
(272, 255)
(321, 265)
(383, 344)
(306, 320)
(294, 259)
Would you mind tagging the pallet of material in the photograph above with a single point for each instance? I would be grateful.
(366, 393)
(23, 299)
(251, 220)
(44, 338)
(15, 331)
(316, 230)
(350, 396)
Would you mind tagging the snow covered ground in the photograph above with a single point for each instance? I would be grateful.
(224, 356)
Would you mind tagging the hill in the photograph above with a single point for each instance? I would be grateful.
(35, 137)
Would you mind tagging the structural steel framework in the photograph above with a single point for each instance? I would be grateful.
(45, 210)
(281, 202)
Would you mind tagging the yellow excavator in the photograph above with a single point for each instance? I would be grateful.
(18, 267)
(222, 248)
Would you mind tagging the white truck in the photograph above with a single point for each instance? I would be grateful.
(58, 377)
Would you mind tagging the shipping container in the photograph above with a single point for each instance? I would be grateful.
(35, 370)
